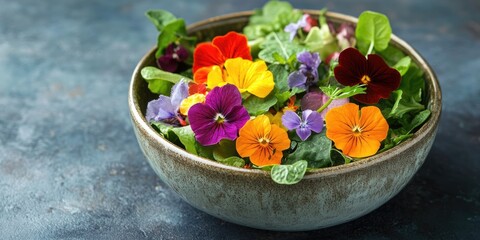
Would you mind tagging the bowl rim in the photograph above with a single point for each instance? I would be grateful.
(434, 103)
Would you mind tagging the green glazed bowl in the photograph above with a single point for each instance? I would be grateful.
(249, 197)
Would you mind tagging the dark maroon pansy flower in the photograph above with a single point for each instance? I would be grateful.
(380, 79)
(174, 56)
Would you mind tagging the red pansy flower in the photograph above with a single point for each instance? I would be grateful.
(215, 53)
(353, 68)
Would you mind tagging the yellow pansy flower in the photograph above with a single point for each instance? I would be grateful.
(190, 101)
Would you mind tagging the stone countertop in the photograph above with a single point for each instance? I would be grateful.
(70, 166)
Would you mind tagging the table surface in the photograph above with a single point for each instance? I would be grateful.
(70, 166)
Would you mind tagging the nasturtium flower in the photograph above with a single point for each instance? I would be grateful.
(307, 74)
(357, 133)
(380, 79)
(247, 76)
(206, 55)
(165, 109)
(220, 117)
(314, 100)
(310, 121)
(174, 56)
(191, 100)
(262, 141)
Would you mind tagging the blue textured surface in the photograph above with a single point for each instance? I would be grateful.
(70, 166)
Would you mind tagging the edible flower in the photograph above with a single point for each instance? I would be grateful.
(357, 133)
(220, 117)
(307, 74)
(174, 56)
(314, 100)
(247, 76)
(380, 79)
(206, 55)
(310, 121)
(293, 28)
(191, 100)
(165, 109)
(262, 141)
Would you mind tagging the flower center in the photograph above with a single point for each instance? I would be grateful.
(219, 118)
(357, 131)
(365, 79)
(264, 142)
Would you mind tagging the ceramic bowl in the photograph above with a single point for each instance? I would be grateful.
(249, 197)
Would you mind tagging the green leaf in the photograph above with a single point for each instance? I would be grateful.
(162, 128)
(316, 149)
(280, 77)
(160, 81)
(204, 151)
(233, 161)
(403, 65)
(335, 92)
(392, 55)
(160, 18)
(418, 120)
(224, 149)
(257, 106)
(373, 28)
(186, 137)
(273, 17)
(289, 174)
(403, 104)
(170, 33)
(413, 83)
(279, 45)
(322, 41)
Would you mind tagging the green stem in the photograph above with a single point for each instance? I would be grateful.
(325, 105)
(370, 49)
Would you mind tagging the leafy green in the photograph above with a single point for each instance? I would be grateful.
(280, 77)
(233, 161)
(413, 83)
(273, 17)
(277, 48)
(186, 137)
(160, 18)
(373, 31)
(289, 174)
(403, 65)
(391, 55)
(160, 81)
(322, 41)
(256, 106)
(403, 104)
(316, 150)
(335, 92)
(224, 149)
(418, 120)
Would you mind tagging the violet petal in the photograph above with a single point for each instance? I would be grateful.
(313, 120)
(297, 79)
(237, 116)
(167, 63)
(223, 99)
(179, 92)
(303, 133)
(291, 120)
(160, 109)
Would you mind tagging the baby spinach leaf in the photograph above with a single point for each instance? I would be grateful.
(289, 174)
(256, 106)
(159, 81)
(186, 137)
(280, 77)
(391, 55)
(160, 18)
(413, 83)
(418, 120)
(322, 41)
(233, 161)
(373, 31)
(403, 65)
(316, 149)
(204, 151)
(224, 149)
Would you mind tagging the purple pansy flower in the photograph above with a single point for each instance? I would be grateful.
(307, 74)
(314, 100)
(220, 117)
(173, 57)
(165, 109)
(292, 28)
(310, 121)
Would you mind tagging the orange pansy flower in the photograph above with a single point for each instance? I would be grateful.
(357, 133)
(215, 53)
(262, 141)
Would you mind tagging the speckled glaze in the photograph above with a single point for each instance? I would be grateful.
(323, 198)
